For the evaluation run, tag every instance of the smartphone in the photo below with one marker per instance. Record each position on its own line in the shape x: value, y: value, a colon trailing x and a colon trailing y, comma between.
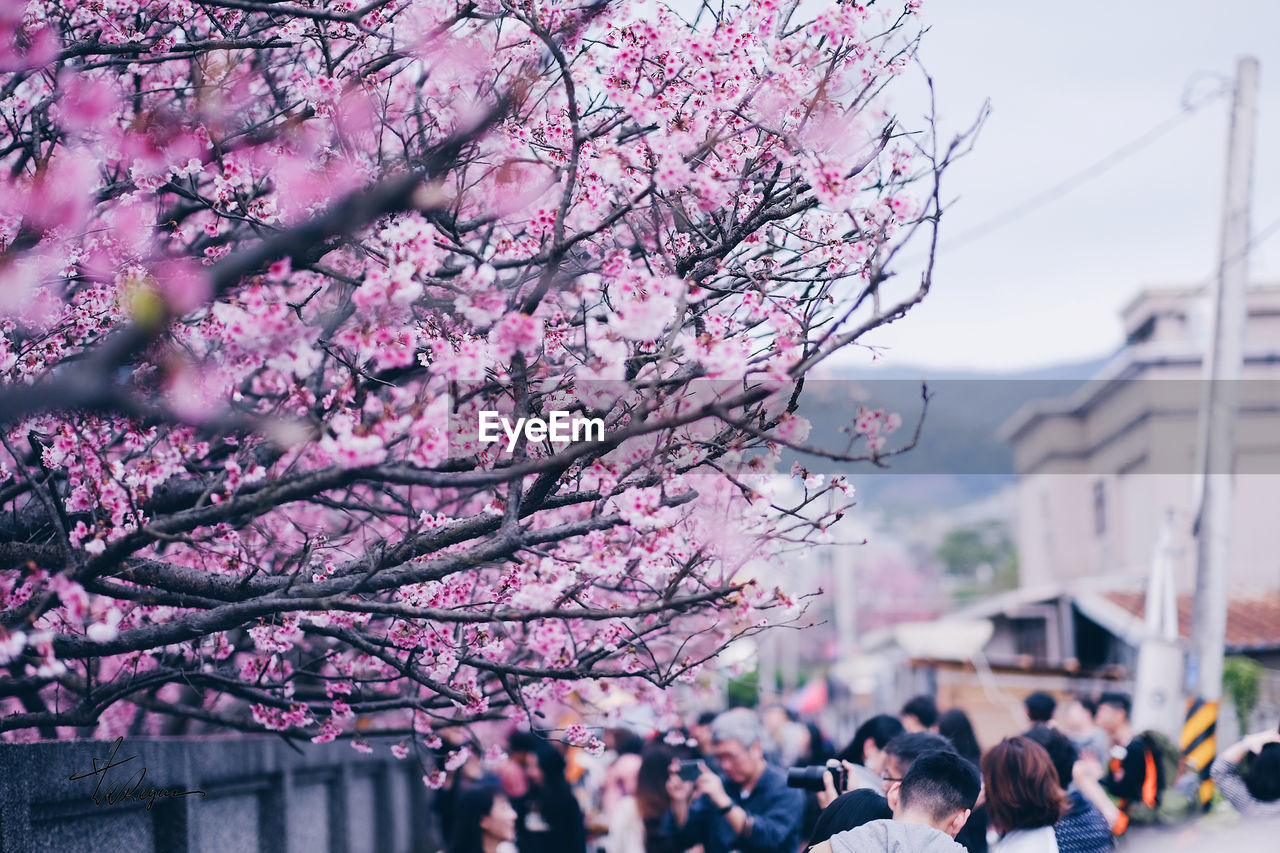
x: 690, y: 770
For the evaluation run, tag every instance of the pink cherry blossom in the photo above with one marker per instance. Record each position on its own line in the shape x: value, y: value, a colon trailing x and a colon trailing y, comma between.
x: 254, y: 301
x: 516, y: 333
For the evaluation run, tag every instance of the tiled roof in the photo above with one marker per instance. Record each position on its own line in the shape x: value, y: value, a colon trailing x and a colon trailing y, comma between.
x: 1253, y: 623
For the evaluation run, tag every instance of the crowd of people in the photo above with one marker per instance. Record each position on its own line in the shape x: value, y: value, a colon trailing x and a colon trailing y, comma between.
x: 1072, y: 782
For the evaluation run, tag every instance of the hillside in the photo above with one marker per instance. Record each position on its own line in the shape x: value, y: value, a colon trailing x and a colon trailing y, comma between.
x: 958, y: 458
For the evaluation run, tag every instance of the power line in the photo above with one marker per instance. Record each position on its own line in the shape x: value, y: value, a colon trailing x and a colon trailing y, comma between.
x: 1255, y: 240
x: 1071, y: 182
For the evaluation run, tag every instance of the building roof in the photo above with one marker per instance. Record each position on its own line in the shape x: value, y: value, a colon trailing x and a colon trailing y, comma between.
x: 1253, y: 623
x: 1135, y: 361
x: 938, y: 639
x: 1262, y: 296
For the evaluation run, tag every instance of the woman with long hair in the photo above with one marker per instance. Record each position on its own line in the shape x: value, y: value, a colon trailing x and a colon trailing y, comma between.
x: 636, y: 824
x: 820, y: 748
x: 954, y: 725
x: 550, y: 820
x: 471, y: 774
x: 1024, y: 799
x: 484, y: 821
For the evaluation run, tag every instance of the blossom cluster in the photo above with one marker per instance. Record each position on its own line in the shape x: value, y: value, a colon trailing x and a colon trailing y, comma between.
x: 277, y: 497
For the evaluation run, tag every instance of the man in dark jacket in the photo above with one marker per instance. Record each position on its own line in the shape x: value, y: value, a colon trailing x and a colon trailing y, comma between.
x: 1133, y: 773
x: 747, y: 807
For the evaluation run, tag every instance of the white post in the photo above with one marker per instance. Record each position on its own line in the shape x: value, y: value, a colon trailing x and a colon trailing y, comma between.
x: 1157, y: 691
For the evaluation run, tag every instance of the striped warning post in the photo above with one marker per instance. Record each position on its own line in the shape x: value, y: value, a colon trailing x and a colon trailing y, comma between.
x: 1200, y: 744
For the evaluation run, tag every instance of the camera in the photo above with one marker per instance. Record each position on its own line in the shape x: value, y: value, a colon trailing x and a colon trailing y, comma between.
x: 810, y: 778
x: 690, y: 770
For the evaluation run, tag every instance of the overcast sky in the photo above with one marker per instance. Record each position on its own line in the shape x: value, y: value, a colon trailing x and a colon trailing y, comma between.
x: 1068, y: 84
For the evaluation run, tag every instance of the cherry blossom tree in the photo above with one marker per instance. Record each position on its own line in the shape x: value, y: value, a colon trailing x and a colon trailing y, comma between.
x: 264, y: 264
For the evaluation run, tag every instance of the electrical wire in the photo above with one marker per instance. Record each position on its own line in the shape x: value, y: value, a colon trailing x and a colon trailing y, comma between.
x: 1255, y: 240
x: 1098, y: 167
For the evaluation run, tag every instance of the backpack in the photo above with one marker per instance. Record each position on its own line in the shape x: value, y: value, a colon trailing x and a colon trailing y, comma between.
x: 1166, y: 756
x: 1172, y: 802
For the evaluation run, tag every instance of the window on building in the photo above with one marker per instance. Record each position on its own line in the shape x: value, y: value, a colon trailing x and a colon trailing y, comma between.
x: 1143, y: 333
x: 1029, y: 637
x: 1095, y: 646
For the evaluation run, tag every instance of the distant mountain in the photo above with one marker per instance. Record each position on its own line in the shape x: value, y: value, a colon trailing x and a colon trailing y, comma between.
x: 1076, y: 370
x: 959, y: 457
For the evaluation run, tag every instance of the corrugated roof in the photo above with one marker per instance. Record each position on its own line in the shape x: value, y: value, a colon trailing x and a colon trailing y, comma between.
x: 1253, y: 623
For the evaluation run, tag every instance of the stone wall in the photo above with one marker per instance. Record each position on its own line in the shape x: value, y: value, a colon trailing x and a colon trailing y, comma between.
x: 260, y: 794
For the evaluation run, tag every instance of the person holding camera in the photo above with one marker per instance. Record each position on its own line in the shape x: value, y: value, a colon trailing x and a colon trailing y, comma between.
x: 748, y: 807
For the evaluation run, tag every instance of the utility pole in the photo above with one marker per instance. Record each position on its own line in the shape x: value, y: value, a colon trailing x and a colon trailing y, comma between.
x: 1222, y: 366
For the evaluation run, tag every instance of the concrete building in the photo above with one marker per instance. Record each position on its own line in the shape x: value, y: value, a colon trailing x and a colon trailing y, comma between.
x: 1103, y: 469
x: 1099, y: 469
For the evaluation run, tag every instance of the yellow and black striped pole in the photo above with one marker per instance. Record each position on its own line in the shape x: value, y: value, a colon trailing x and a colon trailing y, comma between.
x: 1200, y: 744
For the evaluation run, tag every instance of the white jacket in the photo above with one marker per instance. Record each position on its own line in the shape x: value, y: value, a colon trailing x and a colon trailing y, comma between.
x: 626, y: 828
x: 1038, y: 840
x: 891, y: 836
